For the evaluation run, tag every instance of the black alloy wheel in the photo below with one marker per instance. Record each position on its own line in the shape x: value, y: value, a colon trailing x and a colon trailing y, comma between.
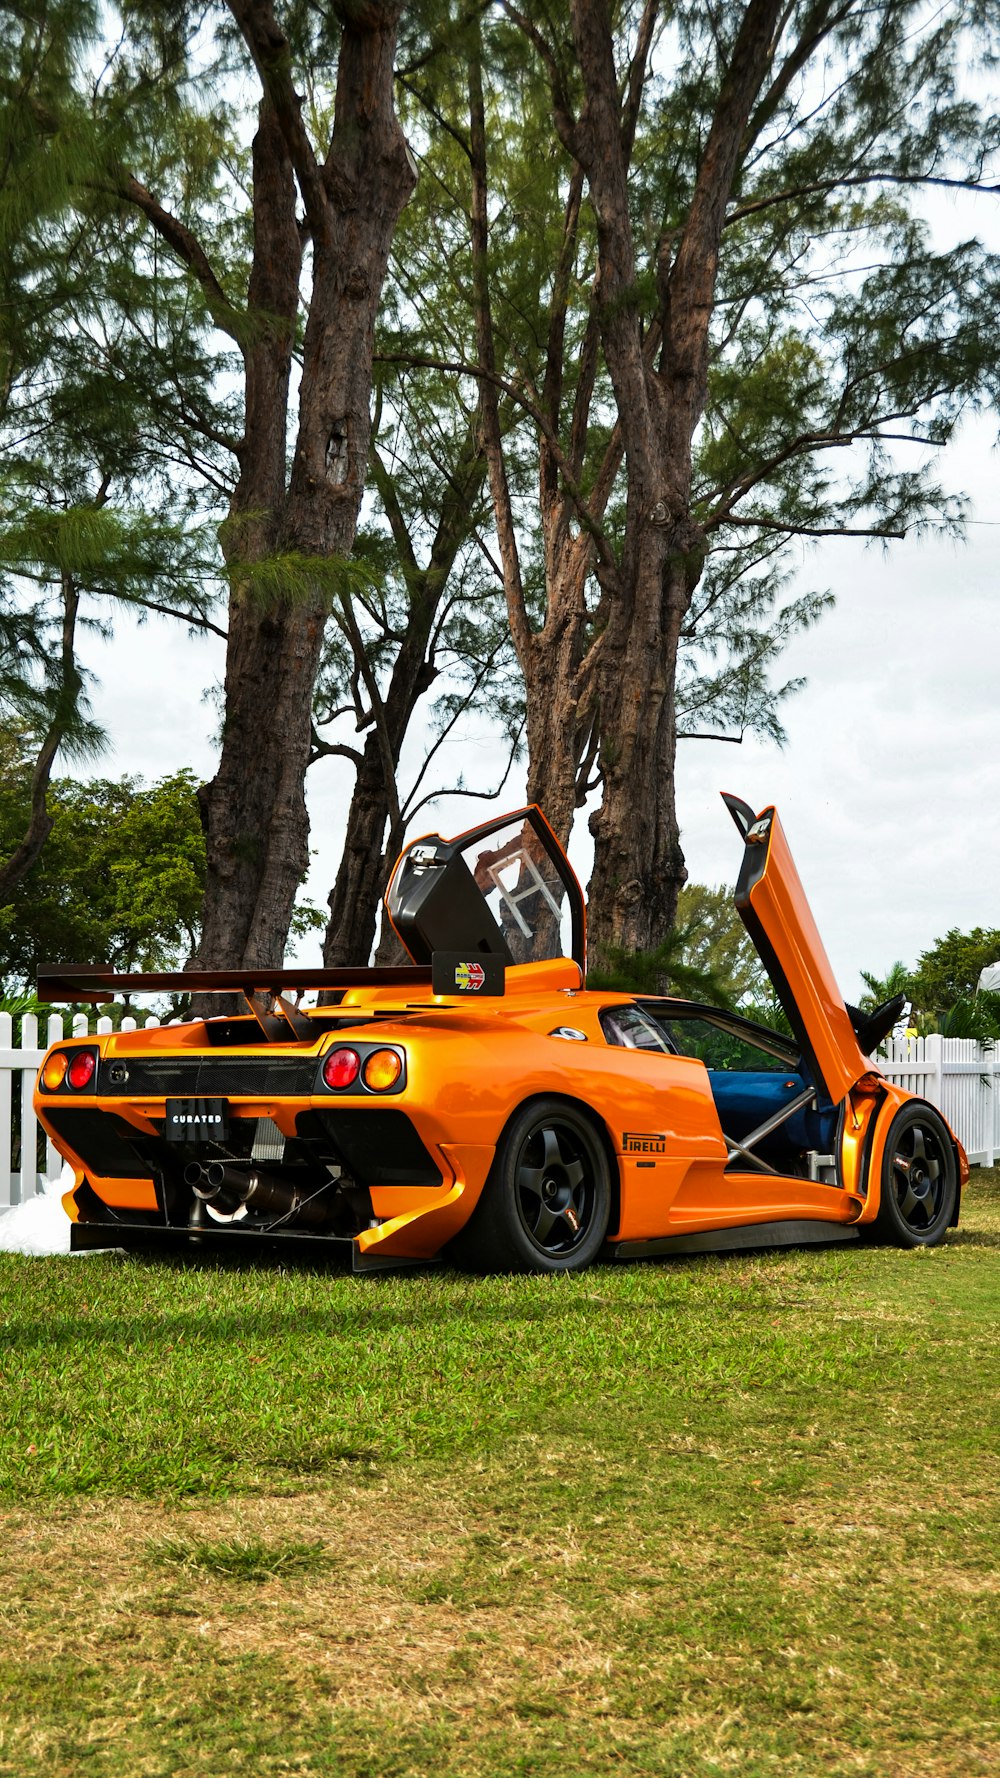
x: 547, y: 1202
x: 919, y: 1179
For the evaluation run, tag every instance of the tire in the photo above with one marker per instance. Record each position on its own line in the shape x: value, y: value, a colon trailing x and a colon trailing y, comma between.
x: 546, y: 1204
x: 919, y: 1179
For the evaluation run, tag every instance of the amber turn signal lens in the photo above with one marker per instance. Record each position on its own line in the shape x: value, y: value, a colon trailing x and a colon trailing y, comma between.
x: 54, y: 1072
x: 341, y: 1068
x: 80, y: 1072
x: 382, y: 1070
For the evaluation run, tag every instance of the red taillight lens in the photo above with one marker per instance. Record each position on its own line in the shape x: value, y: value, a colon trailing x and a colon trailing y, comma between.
x: 341, y: 1068
x: 80, y: 1072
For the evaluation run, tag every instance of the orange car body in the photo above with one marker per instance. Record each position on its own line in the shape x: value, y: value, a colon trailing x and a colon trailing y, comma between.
x: 255, y: 1126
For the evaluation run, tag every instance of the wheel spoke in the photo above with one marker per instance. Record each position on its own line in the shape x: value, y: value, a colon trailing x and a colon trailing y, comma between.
x: 919, y: 1147
x: 529, y: 1179
x: 543, y: 1226
x: 574, y: 1174
x: 933, y: 1168
x: 908, y: 1203
x: 551, y: 1152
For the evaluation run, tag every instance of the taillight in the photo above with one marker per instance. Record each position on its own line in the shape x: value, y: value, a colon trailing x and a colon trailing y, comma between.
x: 341, y: 1068
x: 81, y: 1070
x: 382, y: 1070
x: 54, y: 1072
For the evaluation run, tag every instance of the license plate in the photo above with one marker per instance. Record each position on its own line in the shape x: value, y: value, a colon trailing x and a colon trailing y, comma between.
x: 197, y: 1120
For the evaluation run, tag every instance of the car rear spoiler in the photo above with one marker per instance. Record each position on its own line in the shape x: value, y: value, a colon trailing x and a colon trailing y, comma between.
x: 73, y: 981
x: 448, y: 973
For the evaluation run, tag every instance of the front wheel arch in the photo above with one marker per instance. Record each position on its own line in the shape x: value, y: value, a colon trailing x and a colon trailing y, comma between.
x: 919, y: 1178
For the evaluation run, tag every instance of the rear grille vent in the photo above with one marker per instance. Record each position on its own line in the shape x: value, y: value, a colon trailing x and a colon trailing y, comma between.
x: 204, y: 1076
x: 107, y: 1145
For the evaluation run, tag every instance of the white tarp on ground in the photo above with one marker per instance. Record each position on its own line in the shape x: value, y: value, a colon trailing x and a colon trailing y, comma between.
x: 39, y: 1227
x: 990, y: 978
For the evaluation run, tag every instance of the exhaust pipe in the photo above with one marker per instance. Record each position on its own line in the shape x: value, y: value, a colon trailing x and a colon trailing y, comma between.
x: 227, y: 1189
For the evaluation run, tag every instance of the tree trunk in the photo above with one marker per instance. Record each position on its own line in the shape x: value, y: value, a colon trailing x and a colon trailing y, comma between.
x: 638, y: 863
x: 560, y: 711
x: 254, y: 810
x: 639, y: 868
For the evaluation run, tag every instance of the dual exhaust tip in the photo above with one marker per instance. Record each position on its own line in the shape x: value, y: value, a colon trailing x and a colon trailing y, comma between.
x: 226, y: 1190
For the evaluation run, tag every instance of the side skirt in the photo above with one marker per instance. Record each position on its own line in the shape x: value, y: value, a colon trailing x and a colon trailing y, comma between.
x: 747, y: 1235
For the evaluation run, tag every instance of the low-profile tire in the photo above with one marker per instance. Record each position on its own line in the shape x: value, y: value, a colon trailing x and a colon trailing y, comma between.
x: 546, y: 1204
x: 919, y: 1179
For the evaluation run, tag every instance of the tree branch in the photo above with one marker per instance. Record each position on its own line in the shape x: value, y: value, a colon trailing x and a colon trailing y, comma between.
x: 818, y: 25
x: 531, y: 406
x: 562, y: 111
x: 486, y: 352
x: 194, y: 618
x: 272, y: 56
x: 319, y: 749
x: 850, y: 179
x: 794, y: 530
x: 227, y: 317
x: 40, y: 821
x: 690, y: 734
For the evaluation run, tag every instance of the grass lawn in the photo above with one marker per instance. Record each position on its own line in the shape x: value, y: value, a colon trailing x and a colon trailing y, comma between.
x: 722, y: 1515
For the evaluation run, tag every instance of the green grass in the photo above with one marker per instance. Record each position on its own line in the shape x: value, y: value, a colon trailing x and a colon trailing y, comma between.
x: 716, y: 1515
x: 239, y: 1558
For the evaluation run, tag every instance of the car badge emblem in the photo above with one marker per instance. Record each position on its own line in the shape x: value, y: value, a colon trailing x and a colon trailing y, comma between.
x: 469, y: 977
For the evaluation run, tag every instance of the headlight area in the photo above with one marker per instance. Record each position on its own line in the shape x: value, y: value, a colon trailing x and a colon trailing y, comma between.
x: 378, y: 1068
x: 69, y: 1071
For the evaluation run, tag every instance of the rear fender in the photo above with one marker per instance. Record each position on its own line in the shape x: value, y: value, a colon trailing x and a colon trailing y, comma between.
x: 598, y: 1124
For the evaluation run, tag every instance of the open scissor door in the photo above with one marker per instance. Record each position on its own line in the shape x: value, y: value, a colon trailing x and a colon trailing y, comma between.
x: 773, y: 907
x: 505, y: 889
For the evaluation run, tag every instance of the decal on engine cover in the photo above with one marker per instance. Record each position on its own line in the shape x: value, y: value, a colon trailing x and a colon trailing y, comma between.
x: 455, y: 972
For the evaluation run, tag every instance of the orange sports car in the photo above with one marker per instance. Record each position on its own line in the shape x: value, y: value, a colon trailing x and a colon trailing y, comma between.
x: 480, y: 1103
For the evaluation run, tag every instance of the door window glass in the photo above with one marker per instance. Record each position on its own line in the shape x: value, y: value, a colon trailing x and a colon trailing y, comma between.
x: 722, y: 1048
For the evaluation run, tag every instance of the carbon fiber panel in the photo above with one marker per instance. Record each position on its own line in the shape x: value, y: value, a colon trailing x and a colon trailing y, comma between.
x: 206, y: 1076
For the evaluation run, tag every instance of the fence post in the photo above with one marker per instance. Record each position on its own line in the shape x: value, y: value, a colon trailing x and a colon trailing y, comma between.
x: 53, y: 1159
x: 934, y: 1082
x: 29, y: 1128
x: 990, y: 1065
x: 6, y: 1076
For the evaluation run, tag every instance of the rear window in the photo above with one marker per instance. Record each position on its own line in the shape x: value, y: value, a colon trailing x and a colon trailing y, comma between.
x: 628, y: 1028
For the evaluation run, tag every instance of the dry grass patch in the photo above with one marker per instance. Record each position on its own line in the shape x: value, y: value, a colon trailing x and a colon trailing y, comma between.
x: 455, y: 1625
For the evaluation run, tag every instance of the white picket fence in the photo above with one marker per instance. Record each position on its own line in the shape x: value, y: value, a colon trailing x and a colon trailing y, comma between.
x: 20, y: 1135
x: 960, y: 1078
x: 954, y: 1073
